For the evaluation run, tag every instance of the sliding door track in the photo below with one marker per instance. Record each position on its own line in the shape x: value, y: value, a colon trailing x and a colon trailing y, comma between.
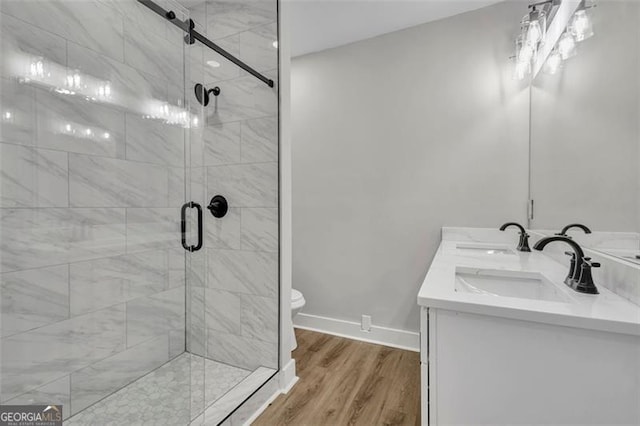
x: 188, y: 27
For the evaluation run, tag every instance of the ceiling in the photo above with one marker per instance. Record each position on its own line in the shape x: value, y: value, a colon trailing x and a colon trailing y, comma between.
x: 322, y: 24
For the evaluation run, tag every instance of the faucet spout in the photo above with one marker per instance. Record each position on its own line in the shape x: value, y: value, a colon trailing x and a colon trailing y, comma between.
x: 523, y: 243
x: 577, y: 251
x: 574, y: 225
x: 517, y: 225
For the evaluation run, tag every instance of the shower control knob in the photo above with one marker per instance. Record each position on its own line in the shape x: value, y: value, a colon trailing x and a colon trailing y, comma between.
x: 218, y: 206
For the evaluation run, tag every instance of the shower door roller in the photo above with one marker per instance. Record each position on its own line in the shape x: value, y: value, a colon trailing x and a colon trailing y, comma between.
x: 218, y: 206
x: 183, y: 226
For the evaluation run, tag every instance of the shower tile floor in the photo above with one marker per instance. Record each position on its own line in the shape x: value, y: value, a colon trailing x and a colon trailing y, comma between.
x: 170, y: 395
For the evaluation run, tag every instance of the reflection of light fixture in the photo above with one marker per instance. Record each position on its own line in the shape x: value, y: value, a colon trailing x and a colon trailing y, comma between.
x: 37, y: 68
x: 581, y: 26
x: 62, y: 80
x: 73, y: 80
x: 104, y: 91
x: 554, y: 61
x: 213, y: 64
x: 567, y: 46
x: 275, y: 44
x: 106, y: 135
x: 88, y: 132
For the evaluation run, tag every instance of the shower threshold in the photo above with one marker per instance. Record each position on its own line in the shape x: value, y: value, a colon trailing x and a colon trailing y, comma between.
x: 175, y: 394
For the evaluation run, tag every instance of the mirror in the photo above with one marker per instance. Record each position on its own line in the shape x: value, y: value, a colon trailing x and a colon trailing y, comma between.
x: 585, y: 140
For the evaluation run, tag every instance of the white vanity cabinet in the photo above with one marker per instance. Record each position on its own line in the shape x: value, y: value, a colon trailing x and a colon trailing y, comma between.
x: 480, y: 369
x: 505, y: 342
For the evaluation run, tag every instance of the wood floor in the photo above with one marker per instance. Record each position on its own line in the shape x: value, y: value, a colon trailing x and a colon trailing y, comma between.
x: 347, y: 382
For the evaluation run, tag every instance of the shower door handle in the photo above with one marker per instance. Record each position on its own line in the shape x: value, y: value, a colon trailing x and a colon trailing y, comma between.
x: 199, y: 245
x: 183, y: 226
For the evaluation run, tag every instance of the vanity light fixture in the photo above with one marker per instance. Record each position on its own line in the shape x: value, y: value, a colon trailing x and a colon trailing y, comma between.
x: 544, y: 44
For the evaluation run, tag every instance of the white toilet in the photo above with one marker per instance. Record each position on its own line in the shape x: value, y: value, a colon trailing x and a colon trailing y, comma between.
x: 297, y: 303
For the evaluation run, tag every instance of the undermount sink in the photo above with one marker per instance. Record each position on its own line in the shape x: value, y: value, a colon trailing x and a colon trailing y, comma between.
x: 523, y: 285
x: 485, y: 249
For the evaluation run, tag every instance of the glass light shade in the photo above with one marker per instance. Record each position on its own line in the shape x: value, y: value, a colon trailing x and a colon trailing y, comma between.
x: 567, y: 46
x: 524, y: 51
x: 534, y: 26
x: 554, y: 62
x: 581, y: 25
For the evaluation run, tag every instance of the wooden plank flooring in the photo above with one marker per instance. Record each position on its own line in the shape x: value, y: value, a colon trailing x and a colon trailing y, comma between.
x: 347, y: 382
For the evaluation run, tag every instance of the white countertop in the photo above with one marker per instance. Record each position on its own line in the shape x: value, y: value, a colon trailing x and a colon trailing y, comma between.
x: 606, y: 311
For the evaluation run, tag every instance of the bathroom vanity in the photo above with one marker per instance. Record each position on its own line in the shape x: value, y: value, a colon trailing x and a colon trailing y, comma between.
x: 505, y: 341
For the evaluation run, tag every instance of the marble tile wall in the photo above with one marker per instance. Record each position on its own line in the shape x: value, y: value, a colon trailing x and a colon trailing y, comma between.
x: 92, y: 284
x: 234, y: 315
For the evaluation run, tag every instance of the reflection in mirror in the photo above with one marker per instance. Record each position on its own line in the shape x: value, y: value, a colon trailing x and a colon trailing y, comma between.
x: 585, y: 140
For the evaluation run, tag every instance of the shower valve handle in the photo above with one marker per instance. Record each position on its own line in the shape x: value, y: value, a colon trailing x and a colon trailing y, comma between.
x: 218, y: 206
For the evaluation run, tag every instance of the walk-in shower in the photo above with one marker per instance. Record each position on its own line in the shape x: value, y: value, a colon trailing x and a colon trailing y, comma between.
x: 123, y: 297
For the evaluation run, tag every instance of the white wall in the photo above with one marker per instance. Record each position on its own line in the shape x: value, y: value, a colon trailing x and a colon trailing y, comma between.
x: 393, y: 138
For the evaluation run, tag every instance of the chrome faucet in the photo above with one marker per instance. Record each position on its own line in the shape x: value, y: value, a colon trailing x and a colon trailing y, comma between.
x: 574, y: 225
x: 523, y: 244
x: 579, y: 278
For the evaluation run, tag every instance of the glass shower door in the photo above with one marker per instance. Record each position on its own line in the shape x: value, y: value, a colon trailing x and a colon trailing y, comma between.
x: 93, y: 130
x: 233, y: 280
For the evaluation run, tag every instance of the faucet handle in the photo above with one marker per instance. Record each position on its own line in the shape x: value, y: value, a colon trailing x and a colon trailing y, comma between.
x: 585, y: 283
x: 587, y: 261
x: 523, y: 244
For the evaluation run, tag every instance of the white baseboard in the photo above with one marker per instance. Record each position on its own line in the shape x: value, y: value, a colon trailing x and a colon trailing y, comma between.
x: 288, y: 376
x: 392, y: 337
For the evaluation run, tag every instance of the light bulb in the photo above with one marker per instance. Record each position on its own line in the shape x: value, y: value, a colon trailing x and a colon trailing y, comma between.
x: 275, y: 44
x: 7, y: 115
x: 521, y: 70
x: 554, y: 61
x: 534, y: 26
x: 526, y: 53
x: 106, y: 135
x: 581, y: 26
x: 534, y: 33
x: 567, y: 46
x: 213, y: 64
